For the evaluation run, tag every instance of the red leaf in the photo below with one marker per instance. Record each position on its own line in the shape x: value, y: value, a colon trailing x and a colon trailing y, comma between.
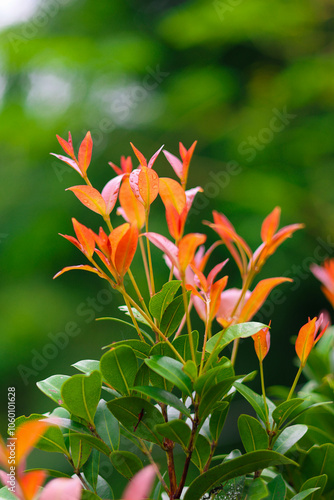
x: 85, y: 153
x: 85, y: 237
x: 67, y: 146
x: 31, y: 483
x: 90, y: 197
x: 126, y: 250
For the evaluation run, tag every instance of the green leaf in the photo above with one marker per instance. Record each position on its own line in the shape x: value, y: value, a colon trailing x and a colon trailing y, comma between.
x: 91, y: 468
x: 162, y: 396
x: 290, y: 436
x: 320, y: 460
x: 201, y: 452
x: 253, y: 435
x: 50, y: 472
x: 303, y: 407
x: 175, y: 430
x: 173, y: 315
x: 304, y: 494
x: 52, y: 387
x: 190, y: 369
x: 282, y: 411
x: 217, y: 420
x: 103, y: 488
x: 160, y: 349
x: 79, y: 449
x: 89, y: 495
x: 140, y: 348
x: 126, y: 463
x: 213, y: 376
x: 255, y: 400
x: 182, y: 345
x: 246, y: 464
x: 87, y: 365
x: 276, y: 489
x: 170, y: 369
x: 214, y: 394
x: 257, y: 489
x: 119, y: 367
x: 315, y: 482
x: 52, y: 440
x: 161, y: 300
x: 143, y: 375
x: 135, y: 313
x: 81, y: 394
x: 242, y: 330
x: 5, y: 494
x: 107, y: 426
x: 93, y: 442
x: 138, y: 416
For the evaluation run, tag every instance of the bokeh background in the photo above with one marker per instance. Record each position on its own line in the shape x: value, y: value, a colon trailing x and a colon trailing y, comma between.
x: 252, y: 81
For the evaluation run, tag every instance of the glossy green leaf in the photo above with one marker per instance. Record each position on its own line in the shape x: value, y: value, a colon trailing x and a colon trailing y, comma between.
x: 52, y: 439
x: 79, y: 449
x: 201, y: 452
x: 246, y: 464
x: 221, y: 340
x: 175, y: 430
x: 126, y: 463
x: 173, y: 315
x: 255, y: 401
x: 161, y: 300
x: 182, y: 345
x: 213, y: 376
x: 217, y: 420
x: 253, y: 435
x: 131, y: 325
x: 143, y: 375
x: 140, y: 348
x: 290, y: 436
x: 135, y: 313
x: 52, y: 387
x: 107, y: 426
x: 315, y: 482
x: 276, y: 489
x: 303, y: 407
x: 138, y: 416
x: 87, y: 365
x: 170, y: 369
x: 320, y: 460
x: 162, y: 396
x: 93, y: 441
x: 190, y: 369
x: 282, y: 411
x: 119, y: 367
x: 161, y: 349
x: 257, y: 489
x: 91, y: 468
x: 5, y: 494
x: 81, y: 394
x: 304, y: 494
x: 89, y: 495
x: 103, y: 489
x: 214, y: 394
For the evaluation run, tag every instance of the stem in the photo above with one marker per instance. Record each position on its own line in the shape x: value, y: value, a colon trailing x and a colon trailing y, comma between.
x: 292, y: 390
x: 212, y: 451
x: 188, y: 459
x: 135, y: 286
x: 107, y: 221
x: 184, y: 294
x: 143, y: 254
x: 234, y: 351
x: 206, y: 333
x: 125, y: 296
x: 149, y: 255
x: 153, y: 326
x: 147, y: 452
x: 264, y: 393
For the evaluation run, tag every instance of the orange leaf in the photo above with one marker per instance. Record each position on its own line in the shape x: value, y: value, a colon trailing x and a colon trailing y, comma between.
x: 116, y: 235
x: 174, y: 222
x: 67, y: 145
x: 133, y: 209
x: 140, y: 156
x: 85, y: 237
x: 90, y: 197
x: 270, y: 225
x: 187, y: 248
x: 80, y: 268
x: 262, y: 343
x: 258, y: 296
x: 126, y: 250
x: 31, y: 483
x: 194, y: 291
x: 85, y: 153
x: 144, y: 183
x: 27, y: 436
x: 171, y: 192
x: 215, y: 295
x: 307, y: 338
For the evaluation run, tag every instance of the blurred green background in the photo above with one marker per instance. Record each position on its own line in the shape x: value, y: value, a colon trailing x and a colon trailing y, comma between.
x: 252, y: 81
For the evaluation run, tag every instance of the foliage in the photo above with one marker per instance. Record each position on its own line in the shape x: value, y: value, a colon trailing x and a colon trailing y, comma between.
x: 171, y: 388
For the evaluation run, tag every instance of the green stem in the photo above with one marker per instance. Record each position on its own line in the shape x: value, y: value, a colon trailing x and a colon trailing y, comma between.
x: 140, y: 297
x: 185, y: 302
x: 292, y: 390
x: 264, y: 394
x: 206, y: 333
x: 147, y: 273
x: 125, y: 296
x: 149, y: 256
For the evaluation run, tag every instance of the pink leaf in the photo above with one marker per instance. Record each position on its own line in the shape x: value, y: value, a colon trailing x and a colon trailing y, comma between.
x: 140, y: 485
x: 190, y: 196
x: 110, y: 192
x: 62, y: 489
x: 165, y: 245
x: 154, y: 157
x: 175, y: 163
x: 69, y: 162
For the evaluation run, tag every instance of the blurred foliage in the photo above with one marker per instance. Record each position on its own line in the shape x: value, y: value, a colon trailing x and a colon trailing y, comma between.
x: 155, y: 72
